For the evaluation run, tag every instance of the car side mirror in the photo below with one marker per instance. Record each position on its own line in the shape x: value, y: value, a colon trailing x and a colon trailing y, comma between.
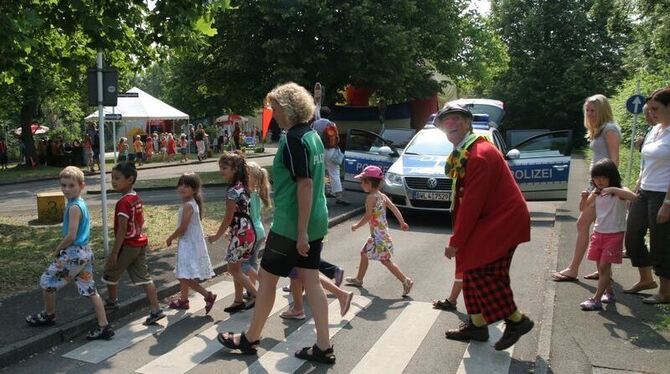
x: 386, y: 151
x: 513, y: 154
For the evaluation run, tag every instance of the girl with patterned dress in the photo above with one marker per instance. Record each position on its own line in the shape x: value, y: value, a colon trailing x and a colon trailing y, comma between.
x: 238, y: 223
x: 379, y: 245
x: 193, y: 263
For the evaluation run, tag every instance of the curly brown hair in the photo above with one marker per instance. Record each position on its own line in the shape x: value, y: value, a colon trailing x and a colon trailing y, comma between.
x: 238, y: 163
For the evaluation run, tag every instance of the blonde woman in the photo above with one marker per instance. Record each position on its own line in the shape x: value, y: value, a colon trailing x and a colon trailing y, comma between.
x: 604, y: 138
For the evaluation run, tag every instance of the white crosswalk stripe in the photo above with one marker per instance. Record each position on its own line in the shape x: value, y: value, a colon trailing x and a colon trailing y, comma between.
x: 392, y: 351
x: 280, y: 358
x: 133, y: 333
x: 197, y: 349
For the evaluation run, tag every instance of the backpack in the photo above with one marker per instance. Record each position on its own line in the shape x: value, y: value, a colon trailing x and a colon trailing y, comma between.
x: 331, y: 137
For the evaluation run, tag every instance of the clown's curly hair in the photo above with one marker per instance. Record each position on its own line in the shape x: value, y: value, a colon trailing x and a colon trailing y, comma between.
x: 236, y: 161
x: 296, y: 101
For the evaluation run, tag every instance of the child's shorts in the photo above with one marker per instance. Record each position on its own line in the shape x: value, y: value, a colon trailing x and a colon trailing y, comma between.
x: 182, y: 150
x: 252, y: 262
x: 132, y: 259
x: 73, y: 263
x: 607, y: 248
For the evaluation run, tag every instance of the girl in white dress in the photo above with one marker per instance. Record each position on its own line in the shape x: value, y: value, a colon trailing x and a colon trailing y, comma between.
x: 193, y: 263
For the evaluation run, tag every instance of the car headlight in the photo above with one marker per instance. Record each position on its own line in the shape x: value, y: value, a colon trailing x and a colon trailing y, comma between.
x: 393, y: 179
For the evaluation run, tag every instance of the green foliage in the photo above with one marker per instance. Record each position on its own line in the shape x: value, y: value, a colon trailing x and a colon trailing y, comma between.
x: 560, y: 52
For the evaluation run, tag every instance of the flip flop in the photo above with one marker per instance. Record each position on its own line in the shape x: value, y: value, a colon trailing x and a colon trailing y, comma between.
x: 656, y: 299
x: 347, y: 304
x: 637, y: 288
x: 560, y: 277
x: 592, y: 276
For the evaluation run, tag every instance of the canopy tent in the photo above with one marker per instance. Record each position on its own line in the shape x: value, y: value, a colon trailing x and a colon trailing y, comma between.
x: 231, y: 118
x: 142, y: 107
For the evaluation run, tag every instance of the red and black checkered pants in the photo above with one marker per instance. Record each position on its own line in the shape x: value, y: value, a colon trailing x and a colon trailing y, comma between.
x: 487, y: 290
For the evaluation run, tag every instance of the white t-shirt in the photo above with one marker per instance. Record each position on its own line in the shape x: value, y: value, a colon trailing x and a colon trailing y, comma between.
x: 610, y: 214
x: 655, y: 176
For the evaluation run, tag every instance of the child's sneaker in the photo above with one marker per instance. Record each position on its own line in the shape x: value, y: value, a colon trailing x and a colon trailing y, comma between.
x: 351, y: 281
x: 100, y: 333
x: 608, y: 297
x: 154, y: 317
x: 591, y: 304
x: 179, y: 304
x: 41, y: 319
x: 111, y: 304
x: 407, y: 286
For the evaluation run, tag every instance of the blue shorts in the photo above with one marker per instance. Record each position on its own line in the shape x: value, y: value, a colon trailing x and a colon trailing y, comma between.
x: 252, y: 262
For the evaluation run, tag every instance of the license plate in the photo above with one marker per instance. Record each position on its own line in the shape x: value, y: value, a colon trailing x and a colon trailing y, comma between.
x: 441, y: 196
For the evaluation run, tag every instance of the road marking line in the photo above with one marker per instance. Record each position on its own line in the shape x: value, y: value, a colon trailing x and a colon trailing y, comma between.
x: 480, y: 357
x: 280, y: 358
x: 192, y: 352
x: 134, y: 332
x: 395, y: 348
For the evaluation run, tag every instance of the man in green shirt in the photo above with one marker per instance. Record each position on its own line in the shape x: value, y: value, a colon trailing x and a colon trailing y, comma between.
x: 300, y: 223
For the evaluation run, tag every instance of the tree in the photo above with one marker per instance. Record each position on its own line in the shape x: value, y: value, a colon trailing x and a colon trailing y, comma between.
x: 48, y: 44
x: 561, y: 52
x: 392, y: 47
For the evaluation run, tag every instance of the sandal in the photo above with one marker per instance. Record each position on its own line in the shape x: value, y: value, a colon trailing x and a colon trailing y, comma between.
x: 317, y: 355
x: 560, y: 277
x: 656, y: 299
x: 444, y: 304
x: 641, y: 287
x: 347, y: 304
x: 41, y: 319
x: 179, y: 304
x: 236, y: 306
x: 244, y: 346
x: 209, y: 302
x: 592, y: 276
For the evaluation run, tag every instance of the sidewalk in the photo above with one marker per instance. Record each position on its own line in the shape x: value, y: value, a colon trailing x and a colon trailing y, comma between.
x: 75, y: 315
x: 625, y: 336
x: 270, y: 149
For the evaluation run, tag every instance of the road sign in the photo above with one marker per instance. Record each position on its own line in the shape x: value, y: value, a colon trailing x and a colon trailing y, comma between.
x: 113, y: 117
x: 635, y: 103
x: 129, y: 94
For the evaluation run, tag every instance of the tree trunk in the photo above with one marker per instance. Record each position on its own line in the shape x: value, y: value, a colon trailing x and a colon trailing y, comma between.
x: 27, y: 112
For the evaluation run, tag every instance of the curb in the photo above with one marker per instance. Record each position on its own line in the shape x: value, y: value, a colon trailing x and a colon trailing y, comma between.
x: 28, y: 180
x: 160, y: 188
x: 13, y: 353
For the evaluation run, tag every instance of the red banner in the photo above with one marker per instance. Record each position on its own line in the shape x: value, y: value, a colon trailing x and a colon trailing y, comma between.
x: 266, y: 117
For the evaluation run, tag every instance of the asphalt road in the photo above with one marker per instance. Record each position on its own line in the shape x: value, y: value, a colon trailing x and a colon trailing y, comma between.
x: 392, y: 334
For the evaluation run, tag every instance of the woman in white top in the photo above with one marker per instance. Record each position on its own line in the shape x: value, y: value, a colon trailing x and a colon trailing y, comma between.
x: 604, y: 137
x: 651, y: 210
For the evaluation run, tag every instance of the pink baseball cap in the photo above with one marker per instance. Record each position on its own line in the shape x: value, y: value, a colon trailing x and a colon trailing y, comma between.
x: 371, y: 171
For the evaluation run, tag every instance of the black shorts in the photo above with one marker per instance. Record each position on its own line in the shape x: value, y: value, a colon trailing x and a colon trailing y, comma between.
x: 281, y: 255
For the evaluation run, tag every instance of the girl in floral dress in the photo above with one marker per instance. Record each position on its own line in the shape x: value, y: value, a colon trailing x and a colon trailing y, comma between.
x: 379, y: 245
x: 238, y: 223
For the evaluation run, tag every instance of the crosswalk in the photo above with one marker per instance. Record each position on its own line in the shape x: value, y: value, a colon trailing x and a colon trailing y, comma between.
x: 391, y: 352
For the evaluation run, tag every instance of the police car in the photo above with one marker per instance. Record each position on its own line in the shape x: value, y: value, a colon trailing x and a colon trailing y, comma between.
x: 415, y: 176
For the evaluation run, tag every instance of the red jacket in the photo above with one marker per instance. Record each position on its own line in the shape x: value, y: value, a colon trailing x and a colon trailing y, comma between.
x: 490, y: 216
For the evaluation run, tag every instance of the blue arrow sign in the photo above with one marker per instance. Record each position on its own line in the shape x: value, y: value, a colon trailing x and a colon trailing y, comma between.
x: 635, y: 103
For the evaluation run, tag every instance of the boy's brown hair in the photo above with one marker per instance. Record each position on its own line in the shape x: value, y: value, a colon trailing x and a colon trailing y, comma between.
x: 72, y: 172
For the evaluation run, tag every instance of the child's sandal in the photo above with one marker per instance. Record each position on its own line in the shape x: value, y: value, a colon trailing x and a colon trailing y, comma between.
x: 236, y: 306
x: 317, y: 355
x: 179, y: 304
x: 244, y: 346
x: 41, y: 319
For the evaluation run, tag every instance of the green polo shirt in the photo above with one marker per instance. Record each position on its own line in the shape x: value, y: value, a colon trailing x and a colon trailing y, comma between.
x: 300, y: 155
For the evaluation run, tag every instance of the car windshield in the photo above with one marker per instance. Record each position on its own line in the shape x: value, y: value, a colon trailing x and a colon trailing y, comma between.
x: 430, y: 142
x: 494, y: 112
x: 398, y: 137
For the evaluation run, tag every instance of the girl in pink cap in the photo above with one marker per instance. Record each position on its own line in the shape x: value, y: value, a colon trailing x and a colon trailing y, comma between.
x: 379, y: 245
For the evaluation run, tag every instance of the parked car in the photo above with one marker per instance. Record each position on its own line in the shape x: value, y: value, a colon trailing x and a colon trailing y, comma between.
x: 495, y: 109
x: 415, y: 177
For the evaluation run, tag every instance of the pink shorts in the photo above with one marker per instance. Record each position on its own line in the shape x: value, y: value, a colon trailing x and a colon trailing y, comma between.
x: 607, y: 248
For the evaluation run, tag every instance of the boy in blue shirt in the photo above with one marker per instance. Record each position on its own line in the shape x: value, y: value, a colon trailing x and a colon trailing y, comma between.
x: 74, y: 259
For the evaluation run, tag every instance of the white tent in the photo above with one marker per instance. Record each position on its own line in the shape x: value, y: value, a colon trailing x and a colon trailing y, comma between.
x: 142, y: 107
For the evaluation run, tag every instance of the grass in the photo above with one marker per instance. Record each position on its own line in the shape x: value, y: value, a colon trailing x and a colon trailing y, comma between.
x: 22, y: 263
x: 625, y: 156
x: 207, y: 177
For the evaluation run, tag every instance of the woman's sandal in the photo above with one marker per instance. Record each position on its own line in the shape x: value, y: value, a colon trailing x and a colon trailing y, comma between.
x: 244, y: 346
x: 317, y: 355
x: 592, y: 276
x: 236, y: 306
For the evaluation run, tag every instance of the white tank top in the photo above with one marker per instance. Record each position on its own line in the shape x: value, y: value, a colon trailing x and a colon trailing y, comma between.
x: 610, y: 214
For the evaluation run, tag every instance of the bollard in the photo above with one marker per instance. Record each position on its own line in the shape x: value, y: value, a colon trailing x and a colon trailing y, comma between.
x: 50, y: 207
